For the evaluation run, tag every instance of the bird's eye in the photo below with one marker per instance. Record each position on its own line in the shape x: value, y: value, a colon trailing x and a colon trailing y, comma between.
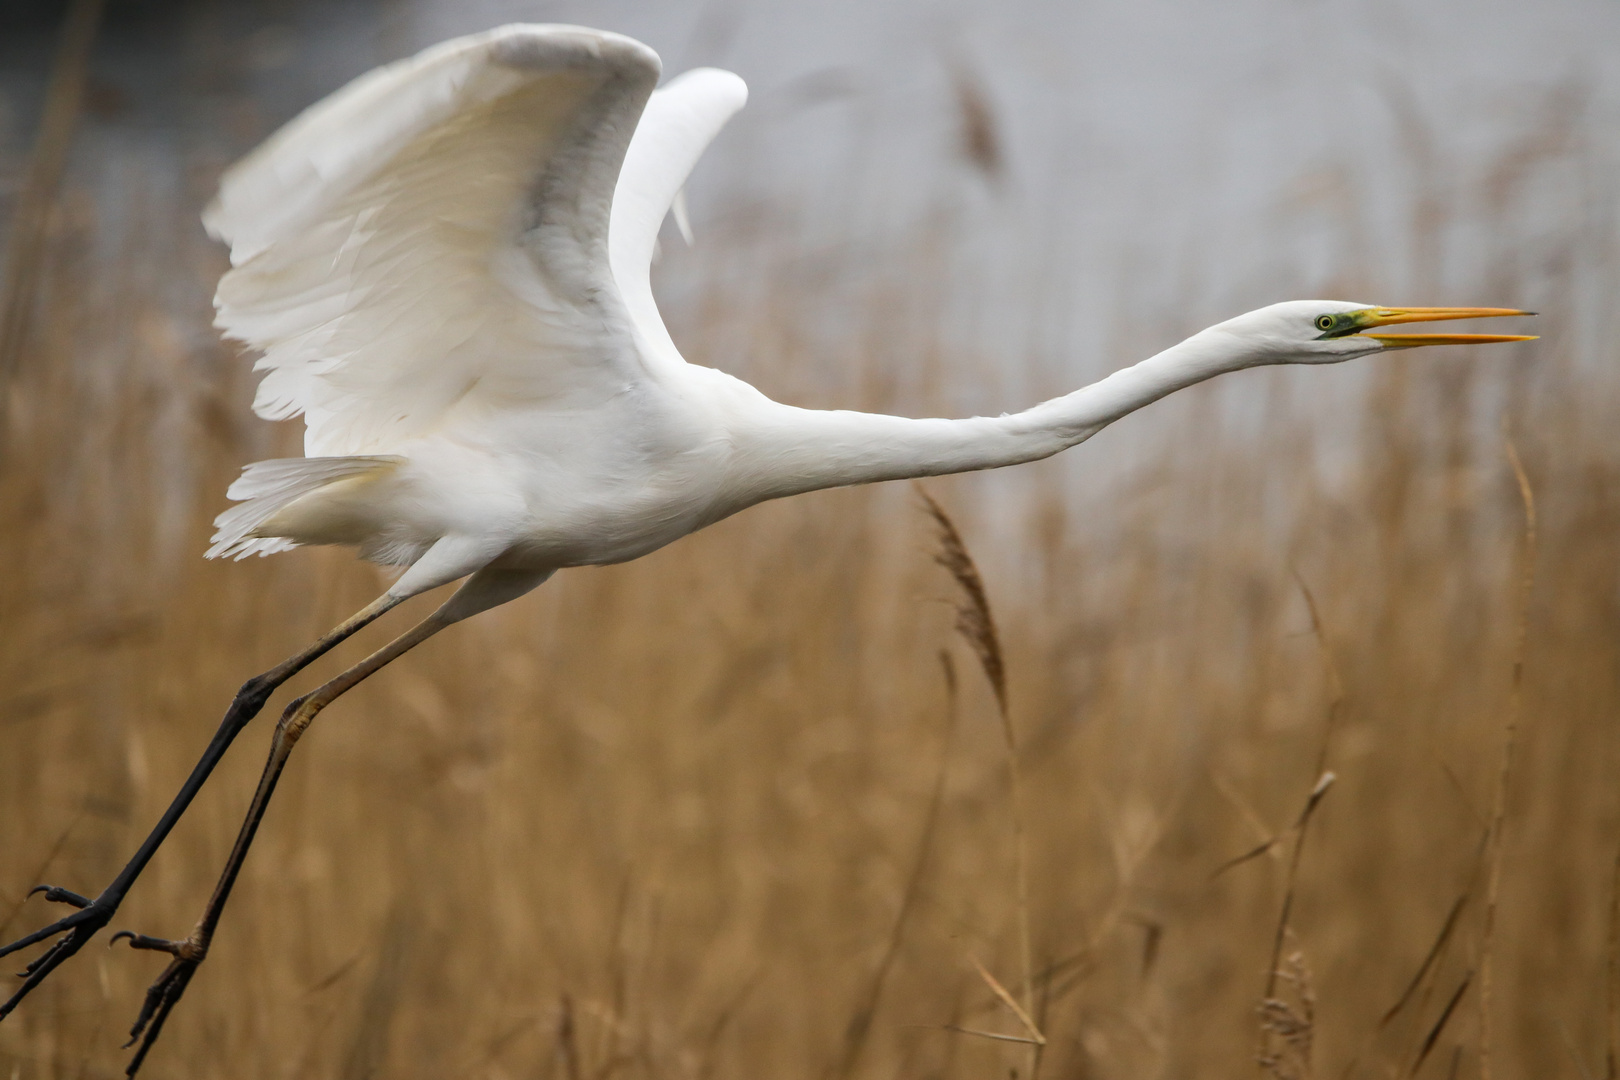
x: 1324, y: 322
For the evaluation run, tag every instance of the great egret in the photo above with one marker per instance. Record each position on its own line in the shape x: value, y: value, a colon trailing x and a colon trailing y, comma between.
x: 445, y: 266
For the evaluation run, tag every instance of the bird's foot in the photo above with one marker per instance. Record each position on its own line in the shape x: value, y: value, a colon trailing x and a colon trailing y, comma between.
x: 164, y: 993
x: 75, y: 929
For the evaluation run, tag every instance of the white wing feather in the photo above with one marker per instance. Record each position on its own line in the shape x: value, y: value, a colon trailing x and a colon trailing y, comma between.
x: 680, y: 121
x: 435, y: 236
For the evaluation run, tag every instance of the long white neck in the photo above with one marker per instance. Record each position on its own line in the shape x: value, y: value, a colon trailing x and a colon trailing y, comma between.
x: 786, y: 450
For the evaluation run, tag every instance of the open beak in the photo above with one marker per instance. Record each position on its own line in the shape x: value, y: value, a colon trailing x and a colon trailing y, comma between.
x: 1390, y: 316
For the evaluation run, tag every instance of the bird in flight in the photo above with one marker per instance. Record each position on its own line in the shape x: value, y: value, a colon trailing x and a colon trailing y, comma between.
x: 445, y: 268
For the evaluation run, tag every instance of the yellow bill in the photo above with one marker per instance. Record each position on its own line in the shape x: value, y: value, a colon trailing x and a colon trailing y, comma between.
x: 1389, y: 316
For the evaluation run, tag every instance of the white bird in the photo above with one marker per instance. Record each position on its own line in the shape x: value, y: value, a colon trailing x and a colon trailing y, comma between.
x: 445, y: 268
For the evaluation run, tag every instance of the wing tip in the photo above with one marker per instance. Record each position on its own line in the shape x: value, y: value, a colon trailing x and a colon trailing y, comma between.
x: 726, y: 86
x: 549, y: 46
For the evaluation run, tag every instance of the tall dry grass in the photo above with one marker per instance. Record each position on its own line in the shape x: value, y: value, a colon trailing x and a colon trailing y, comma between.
x: 725, y: 812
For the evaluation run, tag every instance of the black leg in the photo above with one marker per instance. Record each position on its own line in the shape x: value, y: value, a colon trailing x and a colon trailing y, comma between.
x: 190, y: 951
x: 91, y: 915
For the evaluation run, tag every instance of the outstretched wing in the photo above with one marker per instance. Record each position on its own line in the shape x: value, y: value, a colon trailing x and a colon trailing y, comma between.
x: 434, y: 237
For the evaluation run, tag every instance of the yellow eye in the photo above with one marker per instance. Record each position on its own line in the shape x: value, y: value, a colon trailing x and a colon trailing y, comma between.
x: 1324, y: 322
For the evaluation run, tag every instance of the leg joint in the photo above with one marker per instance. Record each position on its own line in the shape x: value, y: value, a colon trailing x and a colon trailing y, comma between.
x: 299, y: 715
x: 254, y: 693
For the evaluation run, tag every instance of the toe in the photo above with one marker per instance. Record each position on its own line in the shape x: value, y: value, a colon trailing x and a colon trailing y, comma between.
x: 61, y: 926
x: 161, y: 997
x: 58, y: 895
x: 146, y: 941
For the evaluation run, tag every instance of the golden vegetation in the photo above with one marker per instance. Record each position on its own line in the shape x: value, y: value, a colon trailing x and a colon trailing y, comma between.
x: 744, y: 808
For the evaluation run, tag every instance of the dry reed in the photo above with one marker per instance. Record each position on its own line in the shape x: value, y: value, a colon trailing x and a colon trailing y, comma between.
x: 1510, y: 738
x: 1611, y: 996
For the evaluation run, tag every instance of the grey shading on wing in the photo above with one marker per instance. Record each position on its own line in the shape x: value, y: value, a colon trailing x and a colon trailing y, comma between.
x: 430, y: 242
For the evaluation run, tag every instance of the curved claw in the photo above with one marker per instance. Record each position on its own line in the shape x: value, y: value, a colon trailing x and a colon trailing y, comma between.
x: 154, y: 944
x: 165, y: 991
x: 58, y: 895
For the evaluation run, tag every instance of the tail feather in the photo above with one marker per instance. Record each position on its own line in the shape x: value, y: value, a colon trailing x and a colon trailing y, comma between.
x: 266, y: 487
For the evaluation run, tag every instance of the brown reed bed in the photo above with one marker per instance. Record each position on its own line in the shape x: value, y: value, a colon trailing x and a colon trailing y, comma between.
x: 719, y: 813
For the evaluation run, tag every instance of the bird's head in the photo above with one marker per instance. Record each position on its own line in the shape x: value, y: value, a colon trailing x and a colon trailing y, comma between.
x: 1328, y: 331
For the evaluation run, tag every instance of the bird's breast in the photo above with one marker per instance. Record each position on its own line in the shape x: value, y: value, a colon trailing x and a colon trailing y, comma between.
x: 574, y: 487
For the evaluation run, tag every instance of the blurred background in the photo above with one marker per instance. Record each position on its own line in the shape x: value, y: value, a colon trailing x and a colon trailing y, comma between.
x: 747, y: 807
